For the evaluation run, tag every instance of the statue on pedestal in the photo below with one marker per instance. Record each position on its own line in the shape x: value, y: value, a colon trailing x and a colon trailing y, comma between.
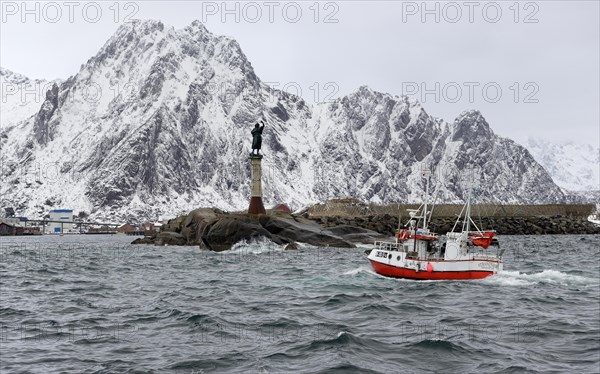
x: 256, y: 204
x: 257, y: 138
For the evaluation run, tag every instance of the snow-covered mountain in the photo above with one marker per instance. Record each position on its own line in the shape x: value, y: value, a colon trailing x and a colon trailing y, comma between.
x: 375, y: 147
x: 158, y: 123
x: 574, y: 167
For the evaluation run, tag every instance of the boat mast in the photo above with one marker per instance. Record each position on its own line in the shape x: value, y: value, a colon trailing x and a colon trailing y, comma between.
x: 426, y: 174
x: 468, y: 214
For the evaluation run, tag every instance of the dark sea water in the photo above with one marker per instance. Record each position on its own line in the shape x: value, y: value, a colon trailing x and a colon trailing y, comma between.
x: 95, y: 304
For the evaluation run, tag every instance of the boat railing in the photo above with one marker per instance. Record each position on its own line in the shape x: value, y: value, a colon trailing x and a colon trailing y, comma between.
x: 390, y: 246
x: 492, y: 253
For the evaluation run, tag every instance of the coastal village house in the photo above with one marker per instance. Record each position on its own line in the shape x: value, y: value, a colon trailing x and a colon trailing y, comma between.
x: 7, y: 229
x: 17, y: 226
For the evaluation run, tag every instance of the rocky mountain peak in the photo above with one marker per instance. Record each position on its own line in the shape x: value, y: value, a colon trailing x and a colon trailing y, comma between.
x: 471, y: 126
x: 139, y: 28
x: 197, y: 28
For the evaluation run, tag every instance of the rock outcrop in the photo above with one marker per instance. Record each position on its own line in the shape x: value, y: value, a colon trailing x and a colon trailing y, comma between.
x: 215, y: 230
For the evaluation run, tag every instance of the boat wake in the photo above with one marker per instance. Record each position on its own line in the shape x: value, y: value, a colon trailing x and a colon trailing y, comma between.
x: 507, y: 278
x: 552, y: 277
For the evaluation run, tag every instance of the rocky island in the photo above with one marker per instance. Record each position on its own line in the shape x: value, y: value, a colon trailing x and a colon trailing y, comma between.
x: 215, y: 230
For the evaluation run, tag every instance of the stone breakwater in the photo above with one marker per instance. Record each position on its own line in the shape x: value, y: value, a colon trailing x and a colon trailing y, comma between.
x: 356, y: 208
x: 387, y: 224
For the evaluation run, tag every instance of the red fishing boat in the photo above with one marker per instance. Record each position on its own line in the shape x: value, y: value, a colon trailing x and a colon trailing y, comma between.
x: 418, y: 253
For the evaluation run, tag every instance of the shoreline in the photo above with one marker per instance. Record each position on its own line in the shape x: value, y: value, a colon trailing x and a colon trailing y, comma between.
x: 216, y: 230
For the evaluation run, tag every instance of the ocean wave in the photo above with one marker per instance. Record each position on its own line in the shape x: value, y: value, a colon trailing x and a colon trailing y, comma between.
x: 343, y: 338
x: 8, y: 311
x: 347, y: 368
x: 363, y: 269
x: 439, y: 345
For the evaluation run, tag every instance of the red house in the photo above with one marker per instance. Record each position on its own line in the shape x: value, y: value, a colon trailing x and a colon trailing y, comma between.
x: 281, y: 208
x: 128, y: 227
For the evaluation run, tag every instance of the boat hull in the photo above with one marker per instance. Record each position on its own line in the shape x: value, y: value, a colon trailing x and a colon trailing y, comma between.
x: 401, y: 272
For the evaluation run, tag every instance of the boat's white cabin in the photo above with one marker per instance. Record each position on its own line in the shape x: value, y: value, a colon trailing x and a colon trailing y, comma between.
x: 452, y: 246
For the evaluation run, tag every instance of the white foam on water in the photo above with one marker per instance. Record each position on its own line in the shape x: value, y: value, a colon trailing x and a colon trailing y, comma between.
x: 254, y: 246
x: 548, y: 276
x: 507, y: 278
x: 363, y: 269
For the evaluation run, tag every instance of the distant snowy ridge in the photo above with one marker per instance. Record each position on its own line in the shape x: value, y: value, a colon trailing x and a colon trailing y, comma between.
x: 574, y: 167
x: 171, y: 132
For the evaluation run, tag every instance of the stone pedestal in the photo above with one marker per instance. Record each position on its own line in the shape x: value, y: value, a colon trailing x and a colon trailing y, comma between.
x: 256, y: 203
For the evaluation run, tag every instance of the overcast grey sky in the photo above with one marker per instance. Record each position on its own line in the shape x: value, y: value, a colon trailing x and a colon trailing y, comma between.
x: 532, y: 68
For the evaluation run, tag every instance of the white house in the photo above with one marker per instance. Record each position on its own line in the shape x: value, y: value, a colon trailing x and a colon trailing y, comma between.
x: 60, y: 215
